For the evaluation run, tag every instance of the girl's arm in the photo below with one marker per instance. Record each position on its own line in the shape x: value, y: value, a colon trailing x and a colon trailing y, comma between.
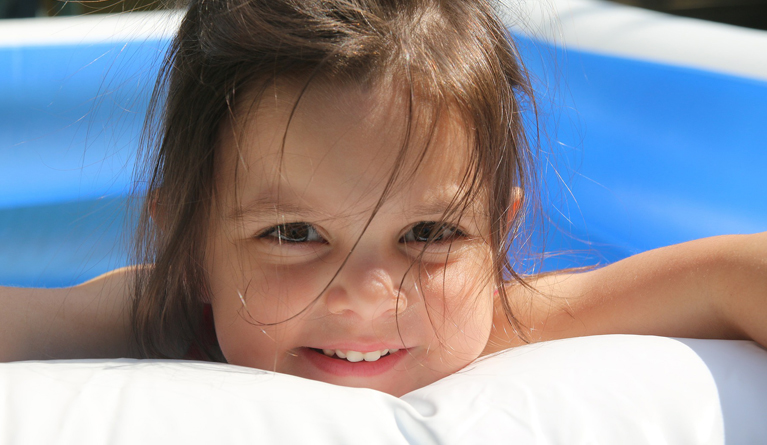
x: 90, y: 320
x: 709, y: 288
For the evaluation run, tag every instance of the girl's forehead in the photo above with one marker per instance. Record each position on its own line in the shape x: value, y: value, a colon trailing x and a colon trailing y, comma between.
x: 344, y: 141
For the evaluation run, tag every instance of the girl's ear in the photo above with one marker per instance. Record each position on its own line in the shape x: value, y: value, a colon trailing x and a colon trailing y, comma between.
x: 516, y: 202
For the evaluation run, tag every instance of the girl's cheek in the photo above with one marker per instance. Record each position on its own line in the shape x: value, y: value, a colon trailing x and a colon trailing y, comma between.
x: 460, y: 282
x: 272, y: 294
x: 461, y: 298
x: 254, y: 331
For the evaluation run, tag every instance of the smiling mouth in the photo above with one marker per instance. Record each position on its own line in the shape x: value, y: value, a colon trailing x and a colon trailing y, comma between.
x: 335, y: 363
x: 355, y: 356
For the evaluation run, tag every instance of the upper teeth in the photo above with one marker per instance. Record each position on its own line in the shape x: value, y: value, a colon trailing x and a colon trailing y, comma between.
x: 356, y: 356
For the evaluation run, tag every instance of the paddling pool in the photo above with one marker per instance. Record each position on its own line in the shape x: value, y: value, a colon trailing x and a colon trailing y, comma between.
x: 647, y: 140
x: 640, y: 150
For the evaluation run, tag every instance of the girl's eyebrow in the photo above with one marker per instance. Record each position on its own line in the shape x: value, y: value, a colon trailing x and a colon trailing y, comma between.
x: 265, y: 205
x: 441, y: 203
x: 436, y: 207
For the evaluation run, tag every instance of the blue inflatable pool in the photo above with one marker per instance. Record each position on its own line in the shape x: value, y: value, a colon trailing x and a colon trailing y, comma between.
x: 657, y: 127
x: 642, y: 148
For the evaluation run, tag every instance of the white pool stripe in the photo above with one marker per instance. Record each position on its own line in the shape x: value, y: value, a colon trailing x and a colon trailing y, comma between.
x: 97, y: 28
x: 612, y: 29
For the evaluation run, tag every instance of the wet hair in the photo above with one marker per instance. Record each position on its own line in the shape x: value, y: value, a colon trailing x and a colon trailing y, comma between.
x: 447, y: 53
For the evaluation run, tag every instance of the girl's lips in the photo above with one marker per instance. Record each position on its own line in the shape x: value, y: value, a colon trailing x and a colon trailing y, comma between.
x: 345, y: 368
x: 362, y: 347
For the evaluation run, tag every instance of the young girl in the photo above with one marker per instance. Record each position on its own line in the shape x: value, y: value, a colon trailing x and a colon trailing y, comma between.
x: 334, y: 192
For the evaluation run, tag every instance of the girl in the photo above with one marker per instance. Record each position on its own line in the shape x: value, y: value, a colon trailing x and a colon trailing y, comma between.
x: 334, y: 192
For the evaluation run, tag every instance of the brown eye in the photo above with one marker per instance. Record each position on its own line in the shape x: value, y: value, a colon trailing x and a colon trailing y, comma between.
x: 430, y: 231
x: 293, y: 233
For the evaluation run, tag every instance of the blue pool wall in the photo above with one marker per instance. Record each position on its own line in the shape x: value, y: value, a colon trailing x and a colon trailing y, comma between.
x: 646, y: 154
x: 635, y: 155
x: 70, y: 121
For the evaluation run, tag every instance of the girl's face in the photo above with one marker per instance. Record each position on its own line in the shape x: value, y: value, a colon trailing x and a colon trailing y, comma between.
x: 303, y: 285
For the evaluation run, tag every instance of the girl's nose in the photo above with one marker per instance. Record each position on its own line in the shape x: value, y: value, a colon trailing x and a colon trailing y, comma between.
x: 368, y: 292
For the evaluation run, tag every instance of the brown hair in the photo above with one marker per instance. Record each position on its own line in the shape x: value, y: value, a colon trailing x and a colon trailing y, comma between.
x: 455, y: 52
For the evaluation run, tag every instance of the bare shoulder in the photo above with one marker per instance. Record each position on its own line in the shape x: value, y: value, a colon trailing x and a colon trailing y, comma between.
x: 90, y: 320
x: 709, y: 288
x: 540, y: 305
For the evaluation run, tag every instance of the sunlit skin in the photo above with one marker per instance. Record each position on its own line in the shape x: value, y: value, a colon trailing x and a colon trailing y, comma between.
x: 282, y: 277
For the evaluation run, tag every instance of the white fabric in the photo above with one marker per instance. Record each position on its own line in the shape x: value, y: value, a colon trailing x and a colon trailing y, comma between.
x: 595, y: 390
